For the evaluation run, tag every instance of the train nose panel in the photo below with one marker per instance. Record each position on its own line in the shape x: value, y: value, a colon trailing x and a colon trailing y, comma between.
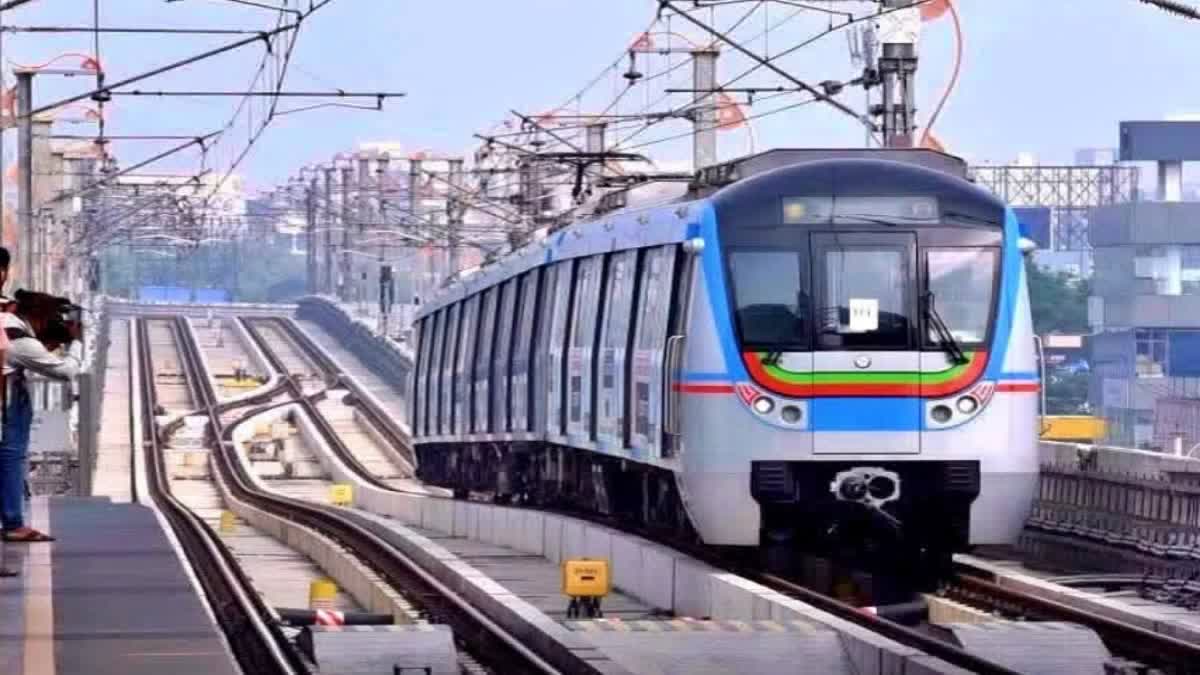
x: 853, y: 422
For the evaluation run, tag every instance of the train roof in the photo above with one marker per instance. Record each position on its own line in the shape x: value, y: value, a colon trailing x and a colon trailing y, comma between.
x: 712, y: 178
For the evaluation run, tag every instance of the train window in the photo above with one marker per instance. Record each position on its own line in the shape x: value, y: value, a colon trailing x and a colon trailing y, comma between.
x: 961, y: 283
x: 505, y: 318
x: 650, y: 336
x: 865, y: 290
x: 483, y: 359
x: 580, y: 357
x: 435, y: 373
x: 614, y: 345
x: 464, y: 370
x: 772, y: 308
x: 522, y: 351
x: 446, y: 424
x: 555, y: 314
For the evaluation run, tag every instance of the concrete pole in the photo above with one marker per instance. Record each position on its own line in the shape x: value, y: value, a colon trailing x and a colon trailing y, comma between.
x: 704, y: 114
x: 414, y: 210
x: 310, y: 246
x: 454, y: 214
x: 596, y: 144
x: 364, y: 217
x: 56, y: 221
x: 898, y: 68
x: 382, y: 165
x: 23, y: 256
x: 344, y: 267
x: 327, y: 286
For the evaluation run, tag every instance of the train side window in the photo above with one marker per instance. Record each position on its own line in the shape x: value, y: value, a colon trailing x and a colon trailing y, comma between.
x: 505, y: 319
x: 580, y: 356
x: 435, y: 373
x: 614, y: 344
x: 483, y: 359
x: 522, y: 351
x: 556, y: 362
x: 450, y: 349
x: 465, y: 368
x: 420, y: 393
x: 650, y: 336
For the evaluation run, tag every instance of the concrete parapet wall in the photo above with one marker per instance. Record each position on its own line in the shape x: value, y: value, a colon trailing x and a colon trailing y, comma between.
x: 1105, y: 459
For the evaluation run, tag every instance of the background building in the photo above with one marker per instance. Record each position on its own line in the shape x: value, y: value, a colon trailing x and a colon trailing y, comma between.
x: 1145, y: 306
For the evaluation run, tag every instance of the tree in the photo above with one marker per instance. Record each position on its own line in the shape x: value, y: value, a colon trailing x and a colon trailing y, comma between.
x: 1058, y: 300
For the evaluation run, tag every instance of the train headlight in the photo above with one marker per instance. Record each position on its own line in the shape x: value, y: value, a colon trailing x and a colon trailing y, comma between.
x: 967, y: 405
x: 791, y: 414
x: 763, y: 405
x: 941, y: 413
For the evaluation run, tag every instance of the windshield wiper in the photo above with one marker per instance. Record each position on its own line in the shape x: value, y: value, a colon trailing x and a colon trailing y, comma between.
x: 945, y: 337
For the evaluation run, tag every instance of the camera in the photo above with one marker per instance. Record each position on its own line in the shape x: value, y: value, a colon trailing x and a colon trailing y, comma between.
x: 63, y: 318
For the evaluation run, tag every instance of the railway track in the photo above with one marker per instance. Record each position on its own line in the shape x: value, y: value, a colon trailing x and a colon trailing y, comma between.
x: 1126, y: 640
x: 892, y: 630
x: 972, y: 587
x: 494, y: 648
x: 258, y: 643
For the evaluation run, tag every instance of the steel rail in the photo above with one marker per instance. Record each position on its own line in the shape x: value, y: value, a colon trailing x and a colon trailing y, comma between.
x: 1128, y: 640
x: 501, y: 651
x: 383, y: 423
x: 256, y: 639
x: 306, y: 402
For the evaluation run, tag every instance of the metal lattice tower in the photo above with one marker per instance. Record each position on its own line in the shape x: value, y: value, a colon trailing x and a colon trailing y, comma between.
x: 1070, y: 192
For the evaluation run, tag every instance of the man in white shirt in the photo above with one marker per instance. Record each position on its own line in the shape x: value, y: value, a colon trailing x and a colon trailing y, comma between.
x: 34, y: 334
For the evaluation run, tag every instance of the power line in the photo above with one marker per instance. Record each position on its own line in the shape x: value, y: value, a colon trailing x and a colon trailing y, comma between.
x: 1177, y: 8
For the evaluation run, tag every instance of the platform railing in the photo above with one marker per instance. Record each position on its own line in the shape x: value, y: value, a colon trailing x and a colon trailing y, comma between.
x: 1116, y: 509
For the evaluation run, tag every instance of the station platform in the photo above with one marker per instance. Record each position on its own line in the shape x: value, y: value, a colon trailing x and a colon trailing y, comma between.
x: 109, y: 597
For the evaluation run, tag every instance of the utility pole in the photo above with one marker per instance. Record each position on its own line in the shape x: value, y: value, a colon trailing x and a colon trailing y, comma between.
x: 454, y: 213
x: 327, y: 285
x: 382, y: 163
x: 704, y: 114
x: 24, y: 251
x: 414, y: 201
x: 595, y: 144
x: 364, y: 180
x: 897, y: 70
x: 310, y: 249
x: 344, y: 280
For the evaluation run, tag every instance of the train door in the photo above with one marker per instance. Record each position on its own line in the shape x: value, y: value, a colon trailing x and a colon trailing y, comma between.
x: 483, y: 359
x: 450, y: 352
x: 580, y: 354
x: 649, y: 341
x: 556, y: 315
x: 867, y: 362
x: 421, y: 390
x: 435, y: 373
x: 463, y: 373
x: 521, y: 349
x: 505, y: 318
x: 614, y: 346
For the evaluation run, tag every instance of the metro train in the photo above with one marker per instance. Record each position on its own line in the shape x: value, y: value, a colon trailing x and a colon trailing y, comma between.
x: 826, y: 351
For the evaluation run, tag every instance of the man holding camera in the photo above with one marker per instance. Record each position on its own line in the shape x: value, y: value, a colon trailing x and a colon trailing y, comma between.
x: 37, y: 326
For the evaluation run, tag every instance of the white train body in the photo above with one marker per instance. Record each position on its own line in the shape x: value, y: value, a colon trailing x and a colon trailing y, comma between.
x: 837, y: 346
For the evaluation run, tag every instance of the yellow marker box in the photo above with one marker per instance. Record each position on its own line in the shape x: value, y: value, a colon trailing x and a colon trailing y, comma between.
x: 341, y: 494
x: 585, y: 578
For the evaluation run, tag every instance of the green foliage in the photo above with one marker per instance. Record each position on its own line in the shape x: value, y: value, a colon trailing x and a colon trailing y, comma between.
x: 1059, y: 301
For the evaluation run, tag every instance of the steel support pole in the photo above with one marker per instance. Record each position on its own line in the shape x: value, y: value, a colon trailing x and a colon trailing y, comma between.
x: 310, y: 246
x: 414, y: 209
x: 364, y: 216
x: 23, y: 256
x: 327, y: 284
x: 454, y: 214
x: 344, y: 266
x: 704, y: 112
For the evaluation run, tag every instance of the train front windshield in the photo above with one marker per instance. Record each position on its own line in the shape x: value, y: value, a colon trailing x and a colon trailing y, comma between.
x: 862, y: 279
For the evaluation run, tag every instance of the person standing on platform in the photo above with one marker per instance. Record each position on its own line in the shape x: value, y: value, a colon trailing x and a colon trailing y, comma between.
x: 35, y: 330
